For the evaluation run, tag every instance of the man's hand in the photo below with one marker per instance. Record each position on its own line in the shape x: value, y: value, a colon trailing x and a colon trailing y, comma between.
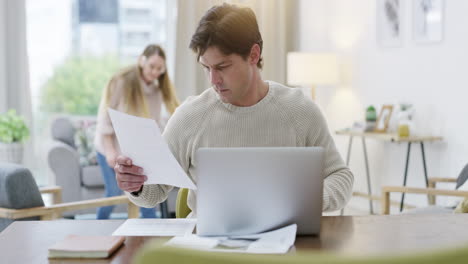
x: 129, y: 177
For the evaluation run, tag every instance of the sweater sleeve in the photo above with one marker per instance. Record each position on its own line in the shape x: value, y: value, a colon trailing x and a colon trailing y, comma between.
x: 338, y: 182
x: 151, y: 195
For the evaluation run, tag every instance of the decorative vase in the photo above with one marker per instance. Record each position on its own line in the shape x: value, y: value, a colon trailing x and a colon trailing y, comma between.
x: 11, y: 152
x: 403, y: 130
x: 405, y: 123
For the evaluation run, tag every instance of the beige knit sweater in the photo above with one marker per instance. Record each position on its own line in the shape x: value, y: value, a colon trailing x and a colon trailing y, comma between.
x: 283, y: 118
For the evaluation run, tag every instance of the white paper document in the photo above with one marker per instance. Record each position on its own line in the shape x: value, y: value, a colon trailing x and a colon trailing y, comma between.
x: 140, y: 139
x: 274, y: 242
x: 156, y: 227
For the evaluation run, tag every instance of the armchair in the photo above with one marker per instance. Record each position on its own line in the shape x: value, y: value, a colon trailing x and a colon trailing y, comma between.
x: 81, y: 182
x: 431, y: 193
x: 77, y: 182
x: 182, y: 209
x: 20, y: 198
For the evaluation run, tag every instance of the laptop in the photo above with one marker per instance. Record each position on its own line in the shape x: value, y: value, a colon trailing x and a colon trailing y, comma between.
x: 251, y: 190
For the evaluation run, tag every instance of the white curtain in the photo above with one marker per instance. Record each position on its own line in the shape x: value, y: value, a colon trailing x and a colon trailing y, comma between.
x: 189, y: 78
x: 14, y: 69
x: 275, y: 21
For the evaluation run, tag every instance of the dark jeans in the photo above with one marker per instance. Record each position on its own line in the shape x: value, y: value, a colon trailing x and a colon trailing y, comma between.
x: 112, y: 189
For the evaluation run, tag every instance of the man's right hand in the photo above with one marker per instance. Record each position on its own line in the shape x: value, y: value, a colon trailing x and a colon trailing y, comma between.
x: 130, y: 178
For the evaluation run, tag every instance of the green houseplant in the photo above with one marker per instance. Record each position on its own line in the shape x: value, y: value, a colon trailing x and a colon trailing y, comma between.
x: 13, y: 132
x: 371, y: 118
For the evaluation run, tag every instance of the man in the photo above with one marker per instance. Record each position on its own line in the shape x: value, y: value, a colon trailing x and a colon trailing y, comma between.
x: 241, y: 110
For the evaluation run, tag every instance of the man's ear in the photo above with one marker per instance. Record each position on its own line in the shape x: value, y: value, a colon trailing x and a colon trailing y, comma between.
x: 254, y: 55
x: 141, y: 61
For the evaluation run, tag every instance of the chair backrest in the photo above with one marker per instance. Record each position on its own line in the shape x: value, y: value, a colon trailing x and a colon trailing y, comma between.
x: 154, y: 253
x: 18, y: 190
x: 462, y: 177
x: 182, y: 209
x: 63, y: 130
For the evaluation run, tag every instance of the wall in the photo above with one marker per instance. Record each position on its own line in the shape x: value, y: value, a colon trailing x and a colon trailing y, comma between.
x: 430, y: 76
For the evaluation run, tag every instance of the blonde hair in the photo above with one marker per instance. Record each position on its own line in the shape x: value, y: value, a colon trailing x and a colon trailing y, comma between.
x: 134, y: 101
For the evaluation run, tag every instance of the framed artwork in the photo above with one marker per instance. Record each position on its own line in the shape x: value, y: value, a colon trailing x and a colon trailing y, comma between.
x: 389, y: 23
x: 383, y: 119
x: 428, y: 18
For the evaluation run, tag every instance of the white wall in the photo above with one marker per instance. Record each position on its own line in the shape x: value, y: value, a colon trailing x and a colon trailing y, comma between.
x: 431, y: 77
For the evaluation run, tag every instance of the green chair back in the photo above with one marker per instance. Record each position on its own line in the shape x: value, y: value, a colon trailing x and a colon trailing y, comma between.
x: 182, y: 209
x: 155, y: 253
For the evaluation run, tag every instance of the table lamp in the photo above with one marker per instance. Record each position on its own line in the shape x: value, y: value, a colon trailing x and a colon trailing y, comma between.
x: 312, y: 69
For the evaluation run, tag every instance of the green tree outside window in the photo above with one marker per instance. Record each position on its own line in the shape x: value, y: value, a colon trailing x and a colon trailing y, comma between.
x: 76, y: 86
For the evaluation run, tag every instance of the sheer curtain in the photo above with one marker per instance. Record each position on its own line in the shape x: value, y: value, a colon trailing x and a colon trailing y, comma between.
x: 275, y: 21
x: 14, y: 69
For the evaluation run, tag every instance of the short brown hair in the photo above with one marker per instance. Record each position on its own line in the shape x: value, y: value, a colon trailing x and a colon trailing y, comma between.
x: 230, y: 28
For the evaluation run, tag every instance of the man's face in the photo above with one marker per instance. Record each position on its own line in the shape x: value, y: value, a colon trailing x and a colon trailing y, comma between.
x: 230, y: 75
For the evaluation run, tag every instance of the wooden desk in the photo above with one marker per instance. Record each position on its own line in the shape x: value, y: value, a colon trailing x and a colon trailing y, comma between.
x: 390, y: 138
x: 28, y: 241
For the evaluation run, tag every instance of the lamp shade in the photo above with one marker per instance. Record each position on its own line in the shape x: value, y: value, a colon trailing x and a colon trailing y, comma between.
x: 312, y: 69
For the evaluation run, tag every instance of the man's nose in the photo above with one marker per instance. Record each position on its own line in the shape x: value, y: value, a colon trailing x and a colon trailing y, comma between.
x: 215, y: 78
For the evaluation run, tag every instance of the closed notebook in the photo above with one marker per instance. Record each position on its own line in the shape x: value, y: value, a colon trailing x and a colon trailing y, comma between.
x: 77, y: 246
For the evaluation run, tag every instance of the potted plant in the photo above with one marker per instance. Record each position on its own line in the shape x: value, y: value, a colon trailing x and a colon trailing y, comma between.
x: 13, y: 132
x: 371, y: 118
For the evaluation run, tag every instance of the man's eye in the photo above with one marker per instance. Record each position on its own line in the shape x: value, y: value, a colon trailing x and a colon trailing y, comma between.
x: 220, y: 68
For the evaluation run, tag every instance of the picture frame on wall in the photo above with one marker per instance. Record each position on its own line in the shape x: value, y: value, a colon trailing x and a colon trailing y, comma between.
x: 383, y: 119
x: 428, y: 20
x: 389, y: 23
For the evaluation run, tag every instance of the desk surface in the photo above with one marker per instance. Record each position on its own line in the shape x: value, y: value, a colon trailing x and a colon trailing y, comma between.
x: 389, y: 136
x: 28, y: 241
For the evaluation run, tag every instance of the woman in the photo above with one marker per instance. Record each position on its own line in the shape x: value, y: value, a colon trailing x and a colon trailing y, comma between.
x: 143, y: 90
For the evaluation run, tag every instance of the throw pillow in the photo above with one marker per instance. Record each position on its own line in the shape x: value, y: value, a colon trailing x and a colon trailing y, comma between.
x: 84, y: 139
x: 462, y: 207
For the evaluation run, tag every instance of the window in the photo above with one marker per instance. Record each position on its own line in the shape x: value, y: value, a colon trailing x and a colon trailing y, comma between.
x: 103, y: 11
x: 137, y: 15
x: 74, y: 47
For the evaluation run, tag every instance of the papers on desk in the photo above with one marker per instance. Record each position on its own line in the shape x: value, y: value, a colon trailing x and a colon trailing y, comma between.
x: 156, y: 227
x: 274, y: 242
x: 140, y: 139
